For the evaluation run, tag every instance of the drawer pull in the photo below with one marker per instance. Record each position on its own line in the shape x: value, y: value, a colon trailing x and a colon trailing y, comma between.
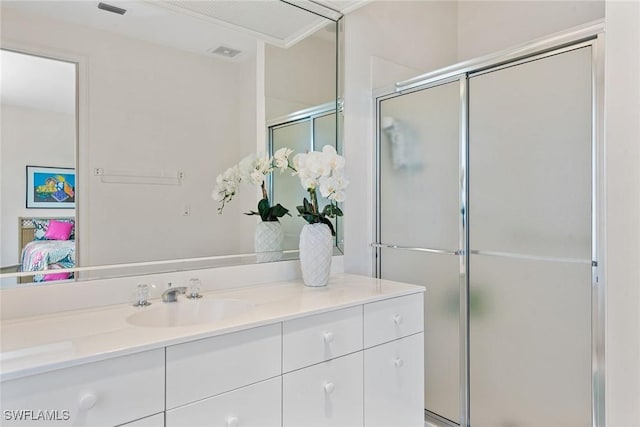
x: 87, y: 401
x: 398, y: 363
x: 328, y: 337
x: 232, y: 422
x: 397, y: 319
x: 329, y: 387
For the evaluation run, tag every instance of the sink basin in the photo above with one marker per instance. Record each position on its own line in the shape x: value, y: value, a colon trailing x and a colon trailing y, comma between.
x: 186, y: 312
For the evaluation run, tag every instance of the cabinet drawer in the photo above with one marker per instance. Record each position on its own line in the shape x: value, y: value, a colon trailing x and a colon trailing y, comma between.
x: 325, y: 336
x: 258, y: 405
x: 328, y: 394
x: 104, y: 393
x: 207, y: 367
x: 393, y: 318
x: 394, y: 383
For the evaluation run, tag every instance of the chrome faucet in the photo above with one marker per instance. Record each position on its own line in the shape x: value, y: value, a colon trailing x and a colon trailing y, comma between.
x: 171, y: 294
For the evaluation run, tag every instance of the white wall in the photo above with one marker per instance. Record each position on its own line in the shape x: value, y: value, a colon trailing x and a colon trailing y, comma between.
x: 384, y: 41
x: 299, y: 77
x: 622, y: 180
x: 489, y: 26
x: 152, y: 109
x: 29, y: 137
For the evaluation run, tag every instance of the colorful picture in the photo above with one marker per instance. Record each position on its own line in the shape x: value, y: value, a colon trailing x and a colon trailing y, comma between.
x: 49, y: 188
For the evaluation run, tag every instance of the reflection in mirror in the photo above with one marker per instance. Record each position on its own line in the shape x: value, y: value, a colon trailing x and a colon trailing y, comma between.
x: 305, y: 131
x: 38, y: 156
x: 300, y: 110
x: 169, y: 97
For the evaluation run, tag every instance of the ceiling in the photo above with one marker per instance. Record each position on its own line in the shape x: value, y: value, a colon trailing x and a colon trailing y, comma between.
x: 200, y: 26
x: 40, y: 83
x: 194, y: 26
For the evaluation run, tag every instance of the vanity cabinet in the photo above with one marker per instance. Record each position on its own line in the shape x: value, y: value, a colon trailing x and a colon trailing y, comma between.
x: 394, y: 383
x: 322, y: 365
x: 204, y: 368
x: 314, y: 339
x: 394, y: 362
x: 328, y: 394
x: 104, y: 393
x: 257, y: 405
x: 356, y: 366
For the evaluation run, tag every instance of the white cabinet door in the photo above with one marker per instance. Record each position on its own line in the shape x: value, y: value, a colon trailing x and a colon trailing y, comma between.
x: 257, y: 405
x: 211, y: 366
x: 314, y: 339
x: 105, y: 393
x: 393, y: 318
x: 394, y: 387
x: 152, y: 421
x: 328, y: 394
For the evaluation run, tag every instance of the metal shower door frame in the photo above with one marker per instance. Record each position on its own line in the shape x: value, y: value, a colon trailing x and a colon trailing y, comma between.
x: 592, y: 35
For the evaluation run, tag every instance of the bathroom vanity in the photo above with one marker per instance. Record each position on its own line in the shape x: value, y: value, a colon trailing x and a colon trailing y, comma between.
x: 278, y: 354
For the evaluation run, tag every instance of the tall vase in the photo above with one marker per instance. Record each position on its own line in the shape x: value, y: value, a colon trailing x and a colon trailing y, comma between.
x: 316, y: 251
x: 268, y: 241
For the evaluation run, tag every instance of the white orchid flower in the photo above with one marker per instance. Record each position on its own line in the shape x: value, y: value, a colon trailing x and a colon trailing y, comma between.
x: 281, y: 158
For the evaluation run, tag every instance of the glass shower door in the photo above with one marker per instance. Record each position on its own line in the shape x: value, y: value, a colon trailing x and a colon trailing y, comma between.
x: 286, y: 189
x: 310, y: 132
x: 419, y: 205
x: 530, y: 186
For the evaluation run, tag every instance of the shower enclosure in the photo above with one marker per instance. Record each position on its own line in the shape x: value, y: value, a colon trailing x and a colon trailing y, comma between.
x: 488, y: 196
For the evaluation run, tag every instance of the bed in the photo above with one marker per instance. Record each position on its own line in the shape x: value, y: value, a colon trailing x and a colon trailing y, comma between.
x: 46, y: 245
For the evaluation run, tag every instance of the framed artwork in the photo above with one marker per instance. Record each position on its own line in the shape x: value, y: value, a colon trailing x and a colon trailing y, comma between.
x: 51, y: 188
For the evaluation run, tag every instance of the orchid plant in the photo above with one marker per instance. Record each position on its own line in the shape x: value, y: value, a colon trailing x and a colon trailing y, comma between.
x: 253, y: 170
x: 321, y: 171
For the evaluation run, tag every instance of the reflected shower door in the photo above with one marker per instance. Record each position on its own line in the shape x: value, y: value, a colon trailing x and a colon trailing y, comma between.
x: 286, y: 188
x: 309, y: 133
x: 530, y: 186
x: 419, y: 208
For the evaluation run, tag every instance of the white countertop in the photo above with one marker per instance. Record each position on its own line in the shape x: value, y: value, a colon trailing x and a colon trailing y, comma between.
x: 43, y: 343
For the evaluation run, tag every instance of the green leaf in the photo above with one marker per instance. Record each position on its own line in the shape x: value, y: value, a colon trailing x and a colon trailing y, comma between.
x: 307, y: 206
x: 311, y: 218
x: 279, y: 211
x: 263, y: 208
x: 331, y: 211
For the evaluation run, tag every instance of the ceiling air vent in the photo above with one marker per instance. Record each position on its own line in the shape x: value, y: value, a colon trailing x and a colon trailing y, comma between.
x: 113, y: 9
x: 224, y: 51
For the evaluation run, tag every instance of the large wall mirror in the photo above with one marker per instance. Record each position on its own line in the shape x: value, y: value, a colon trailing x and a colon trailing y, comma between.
x: 117, y: 119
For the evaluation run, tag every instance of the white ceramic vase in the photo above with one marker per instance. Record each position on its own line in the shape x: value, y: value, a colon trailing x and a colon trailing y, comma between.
x: 268, y: 240
x: 316, y: 251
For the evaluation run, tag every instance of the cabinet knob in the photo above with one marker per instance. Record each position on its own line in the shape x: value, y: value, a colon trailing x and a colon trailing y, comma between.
x: 328, y: 337
x: 233, y: 422
x: 329, y: 387
x: 87, y: 401
x: 397, y: 319
x: 398, y: 363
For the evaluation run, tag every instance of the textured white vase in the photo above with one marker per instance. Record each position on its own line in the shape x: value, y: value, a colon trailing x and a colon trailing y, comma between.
x: 268, y: 240
x: 316, y: 251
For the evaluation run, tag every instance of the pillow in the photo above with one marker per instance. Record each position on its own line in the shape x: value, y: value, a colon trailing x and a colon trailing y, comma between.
x: 58, y: 230
x: 55, y: 276
x: 40, y: 226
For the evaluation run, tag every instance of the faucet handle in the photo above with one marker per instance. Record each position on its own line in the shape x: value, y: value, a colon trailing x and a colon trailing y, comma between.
x: 194, y: 289
x: 142, y: 296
